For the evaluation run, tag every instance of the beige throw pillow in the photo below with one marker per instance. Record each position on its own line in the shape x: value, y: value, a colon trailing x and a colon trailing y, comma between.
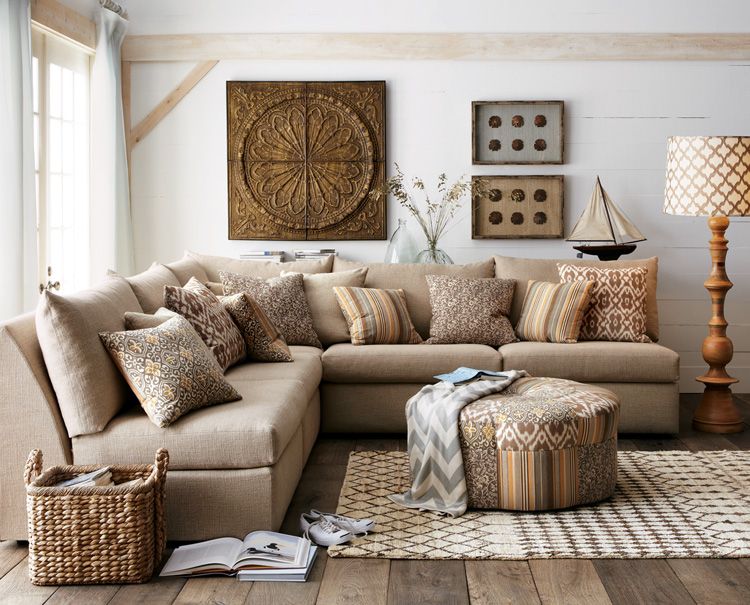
x: 618, y: 302
x: 148, y: 286
x: 139, y: 321
x: 473, y: 311
x: 170, y: 369
x: 212, y: 322
x: 263, y: 341
x: 329, y: 323
x: 283, y: 299
x: 376, y: 316
x: 89, y: 389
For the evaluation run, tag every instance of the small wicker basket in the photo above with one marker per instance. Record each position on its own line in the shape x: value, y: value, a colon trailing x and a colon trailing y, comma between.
x: 95, y: 535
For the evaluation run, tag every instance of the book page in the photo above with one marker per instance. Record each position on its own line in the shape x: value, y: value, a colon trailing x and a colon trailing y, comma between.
x: 269, y: 546
x: 220, y: 553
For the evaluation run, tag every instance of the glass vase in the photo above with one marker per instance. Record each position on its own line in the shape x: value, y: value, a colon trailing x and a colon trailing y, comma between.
x: 402, y: 248
x: 434, y: 255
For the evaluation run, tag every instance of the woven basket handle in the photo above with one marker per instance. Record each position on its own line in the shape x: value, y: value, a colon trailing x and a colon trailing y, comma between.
x: 33, y: 466
x: 161, y: 462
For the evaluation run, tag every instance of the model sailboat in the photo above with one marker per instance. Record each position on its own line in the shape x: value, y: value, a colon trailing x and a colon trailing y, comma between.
x: 603, y: 228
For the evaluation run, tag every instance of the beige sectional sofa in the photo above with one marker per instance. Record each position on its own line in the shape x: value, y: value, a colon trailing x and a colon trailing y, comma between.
x: 235, y: 466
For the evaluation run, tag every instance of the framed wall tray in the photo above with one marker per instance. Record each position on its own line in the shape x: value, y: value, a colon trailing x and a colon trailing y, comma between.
x: 517, y: 132
x: 302, y: 159
x: 517, y: 207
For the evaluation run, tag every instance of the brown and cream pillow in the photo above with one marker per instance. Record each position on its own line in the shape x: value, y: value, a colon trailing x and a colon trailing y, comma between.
x: 470, y: 310
x: 212, y: 322
x: 376, y: 316
x: 283, y: 299
x: 263, y: 341
x: 618, y: 302
x: 553, y: 312
x: 169, y: 368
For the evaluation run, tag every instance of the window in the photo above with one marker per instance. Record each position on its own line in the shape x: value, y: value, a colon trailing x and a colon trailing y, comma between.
x: 61, y: 145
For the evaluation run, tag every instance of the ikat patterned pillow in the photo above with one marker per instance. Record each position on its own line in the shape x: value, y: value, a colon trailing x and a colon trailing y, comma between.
x: 203, y: 310
x: 617, y: 311
x: 263, y: 341
x: 169, y: 368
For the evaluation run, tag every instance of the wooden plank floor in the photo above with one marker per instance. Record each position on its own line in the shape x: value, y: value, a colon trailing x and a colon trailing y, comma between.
x: 373, y: 581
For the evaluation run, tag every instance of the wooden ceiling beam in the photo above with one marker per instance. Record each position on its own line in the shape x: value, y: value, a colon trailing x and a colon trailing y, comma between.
x: 53, y: 16
x: 441, y: 46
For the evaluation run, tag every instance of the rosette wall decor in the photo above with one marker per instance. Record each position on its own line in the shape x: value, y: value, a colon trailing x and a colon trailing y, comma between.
x: 303, y: 158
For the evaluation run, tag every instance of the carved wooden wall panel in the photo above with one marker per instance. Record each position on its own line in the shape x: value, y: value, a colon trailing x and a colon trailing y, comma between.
x: 302, y: 159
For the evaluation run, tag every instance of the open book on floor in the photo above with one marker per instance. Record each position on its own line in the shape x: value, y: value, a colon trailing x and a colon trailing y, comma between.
x: 260, y: 550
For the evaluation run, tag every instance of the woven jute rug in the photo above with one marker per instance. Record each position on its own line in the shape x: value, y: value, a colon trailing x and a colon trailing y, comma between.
x: 667, y: 505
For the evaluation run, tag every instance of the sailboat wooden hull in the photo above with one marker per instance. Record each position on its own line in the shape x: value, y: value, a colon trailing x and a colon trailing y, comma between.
x: 607, y: 252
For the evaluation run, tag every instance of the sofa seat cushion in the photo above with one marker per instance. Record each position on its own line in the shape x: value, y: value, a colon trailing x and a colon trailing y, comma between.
x: 305, y: 367
x: 593, y: 361
x: 347, y: 363
x: 250, y: 433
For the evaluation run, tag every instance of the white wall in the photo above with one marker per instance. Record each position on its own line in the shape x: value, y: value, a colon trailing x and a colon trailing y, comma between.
x: 618, y: 116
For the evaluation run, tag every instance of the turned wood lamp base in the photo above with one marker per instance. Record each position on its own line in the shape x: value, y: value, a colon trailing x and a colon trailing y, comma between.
x: 717, y: 412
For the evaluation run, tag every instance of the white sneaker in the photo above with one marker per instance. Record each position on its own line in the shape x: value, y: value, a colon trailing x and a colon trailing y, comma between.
x: 322, y: 532
x: 358, y: 527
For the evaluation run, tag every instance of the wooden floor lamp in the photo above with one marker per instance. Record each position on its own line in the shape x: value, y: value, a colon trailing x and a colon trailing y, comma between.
x: 710, y: 176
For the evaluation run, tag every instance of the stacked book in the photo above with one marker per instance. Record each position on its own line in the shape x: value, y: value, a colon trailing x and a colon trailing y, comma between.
x: 263, y: 556
x: 274, y: 256
x: 314, y: 254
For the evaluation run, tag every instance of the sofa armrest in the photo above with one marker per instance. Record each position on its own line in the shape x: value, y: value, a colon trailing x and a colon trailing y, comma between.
x: 29, y: 416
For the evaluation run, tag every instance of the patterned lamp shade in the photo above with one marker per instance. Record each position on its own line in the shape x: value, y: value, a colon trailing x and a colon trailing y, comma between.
x: 708, y: 176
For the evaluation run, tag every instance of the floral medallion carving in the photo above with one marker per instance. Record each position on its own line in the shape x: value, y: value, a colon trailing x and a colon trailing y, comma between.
x: 303, y: 158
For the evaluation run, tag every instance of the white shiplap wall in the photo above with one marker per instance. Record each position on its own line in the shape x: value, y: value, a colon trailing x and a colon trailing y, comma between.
x: 618, y: 117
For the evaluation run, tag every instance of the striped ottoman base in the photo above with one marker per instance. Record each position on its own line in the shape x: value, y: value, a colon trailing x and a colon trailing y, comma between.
x: 542, y: 444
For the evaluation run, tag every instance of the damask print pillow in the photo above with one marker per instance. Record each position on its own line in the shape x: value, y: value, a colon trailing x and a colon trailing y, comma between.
x: 203, y: 310
x: 169, y: 368
x: 470, y: 310
x: 617, y: 310
x: 263, y: 341
x: 283, y: 299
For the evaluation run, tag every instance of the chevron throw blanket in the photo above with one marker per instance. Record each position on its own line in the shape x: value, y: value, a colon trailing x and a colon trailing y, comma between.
x: 437, y: 467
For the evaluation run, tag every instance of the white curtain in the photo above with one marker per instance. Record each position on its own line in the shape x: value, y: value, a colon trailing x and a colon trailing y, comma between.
x: 18, y: 240
x: 111, y: 221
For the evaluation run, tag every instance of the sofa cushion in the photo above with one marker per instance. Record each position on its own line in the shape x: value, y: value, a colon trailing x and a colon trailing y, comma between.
x: 169, y: 368
x: 411, y: 279
x: 284, y: 301
x: 249, y: 433
x: 89, y: 388
x: 376, y: 316
x: 594, y: 361
x: 210, y: 319
x: 328, y: 321
x: 525, y: 269
x: 148, y: 286
x: 187, y: 267
x: 263, y: 340
x: 470, y: 310
x: 306, y: 368
x: 403, y: 363
x: 139, y: 321
x: 254, y: 268
x: 553, y: 312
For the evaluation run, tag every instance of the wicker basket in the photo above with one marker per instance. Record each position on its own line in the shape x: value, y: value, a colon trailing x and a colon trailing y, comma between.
x: 95, y: 535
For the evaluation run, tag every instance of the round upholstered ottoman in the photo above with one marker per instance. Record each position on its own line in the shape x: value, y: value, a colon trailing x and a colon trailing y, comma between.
x: 542, y: 444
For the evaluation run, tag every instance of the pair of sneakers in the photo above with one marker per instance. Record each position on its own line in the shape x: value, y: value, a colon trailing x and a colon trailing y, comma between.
x: 327, y: 529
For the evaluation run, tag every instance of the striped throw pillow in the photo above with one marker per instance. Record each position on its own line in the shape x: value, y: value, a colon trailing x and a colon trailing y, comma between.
x: 376, y: 316
x: 554, y: 312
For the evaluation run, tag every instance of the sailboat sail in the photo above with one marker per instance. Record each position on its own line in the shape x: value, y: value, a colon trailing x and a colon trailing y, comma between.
x: 603, y: 221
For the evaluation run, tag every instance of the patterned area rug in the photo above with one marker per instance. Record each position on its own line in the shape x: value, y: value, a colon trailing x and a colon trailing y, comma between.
x: 667, y: 505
